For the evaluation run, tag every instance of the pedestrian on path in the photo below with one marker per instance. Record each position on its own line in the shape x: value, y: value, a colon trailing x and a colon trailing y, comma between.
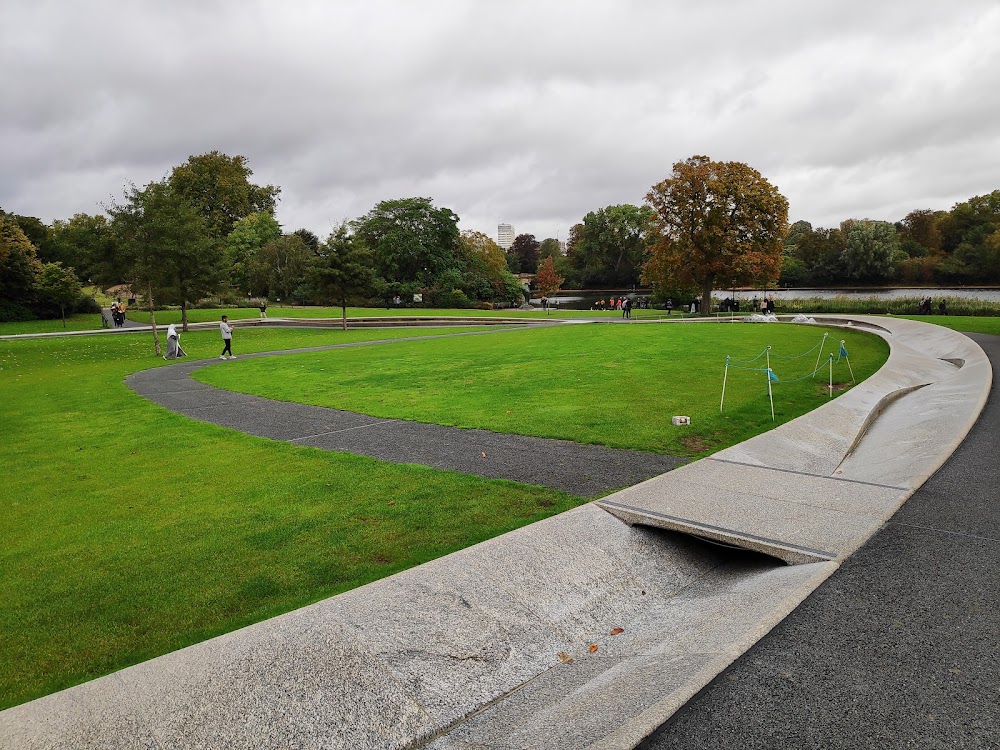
x: 627, y: 308
x: 263, y: 311
x: 173, y: 344
x: 227, y: 339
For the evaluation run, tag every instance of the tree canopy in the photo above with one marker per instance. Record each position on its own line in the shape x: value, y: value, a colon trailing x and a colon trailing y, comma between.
x: 715, y: 224
x: 219, y: 188
x: 611, y: 246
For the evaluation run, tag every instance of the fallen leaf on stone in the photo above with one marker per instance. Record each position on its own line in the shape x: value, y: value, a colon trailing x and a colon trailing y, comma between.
x: 484, y: 453
x: 617, y: 631
x: 565, y: 658
x: 593, y: 647
x: 392, y: 502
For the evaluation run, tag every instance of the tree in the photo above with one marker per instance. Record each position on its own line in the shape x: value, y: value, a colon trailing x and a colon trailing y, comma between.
x: 281, y: 266
x: 59, y: 286
x: 549, y: 248
x: 244, y: 242
x: 311, y: 240
x: 342, y: 270
x: 525, y: 249
x: 20, y: 270
x: 612, y: 246
x: 39, y: 235
x: 547, y: 280
x: 219, y: 188
x: 715, y: 223
x: 485, y: 269
x: 821, y: 252
x: 86, y: 243
x: 411, y: 239
x: 158, y: 231
x: 870, y: 254
x: 920, y: 230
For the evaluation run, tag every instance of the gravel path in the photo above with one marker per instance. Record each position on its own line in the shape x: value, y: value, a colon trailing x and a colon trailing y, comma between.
x: 899, y: 648
x: 583, y: 470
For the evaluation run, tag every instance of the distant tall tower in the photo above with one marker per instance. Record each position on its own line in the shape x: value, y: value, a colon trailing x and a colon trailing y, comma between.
x: 505, y: 236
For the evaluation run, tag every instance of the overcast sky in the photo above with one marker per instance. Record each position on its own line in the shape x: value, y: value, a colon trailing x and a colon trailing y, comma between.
x: 532, y: 113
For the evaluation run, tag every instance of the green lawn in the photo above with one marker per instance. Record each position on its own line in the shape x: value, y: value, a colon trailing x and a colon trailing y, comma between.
x: 129, y: 531
x: 614, y: 385
x: 79, y: 322
x: 243, y: 313
x: 964, y: 323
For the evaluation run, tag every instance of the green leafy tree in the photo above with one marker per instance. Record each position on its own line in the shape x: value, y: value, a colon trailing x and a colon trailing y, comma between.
x: 244, y: 242
x: 281, y: 266
x: 870, y: 252
x: 485, y: 270
x: 714, y: 224
x: 547, y: 280
x: 921, y: 233
x: 612, y: 246
x: 39, y: 234
x: 60, y: 286
x: 525, y: 250
x: 219, y: 188
x: 160, y: 233
x: 20, y: 270
x: 311, y: 240
x: 821, y: 252
x: 549, y: 248
x: 343, y: 270
x: 86, y: 243
x: 412, y: 240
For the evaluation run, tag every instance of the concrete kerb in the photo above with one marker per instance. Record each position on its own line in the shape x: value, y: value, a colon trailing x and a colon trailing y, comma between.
x: 494, y: 646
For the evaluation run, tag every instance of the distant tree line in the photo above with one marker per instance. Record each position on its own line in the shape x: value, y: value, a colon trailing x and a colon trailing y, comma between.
x: 206, y: 231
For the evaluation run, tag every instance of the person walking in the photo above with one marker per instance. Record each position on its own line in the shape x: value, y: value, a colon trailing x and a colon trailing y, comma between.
x: 227, y: 339
x: 627, y: 308
x: 173, y: 344
x: 263, y: 311
x: 670, y: 305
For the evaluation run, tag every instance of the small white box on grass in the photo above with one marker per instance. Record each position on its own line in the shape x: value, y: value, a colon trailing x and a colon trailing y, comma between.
x: 681, y: 420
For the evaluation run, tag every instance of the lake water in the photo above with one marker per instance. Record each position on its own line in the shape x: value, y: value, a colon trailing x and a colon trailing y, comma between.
x: 582, y: 300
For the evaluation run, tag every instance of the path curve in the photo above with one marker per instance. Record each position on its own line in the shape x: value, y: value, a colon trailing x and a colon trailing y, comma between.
x: 583, y: 470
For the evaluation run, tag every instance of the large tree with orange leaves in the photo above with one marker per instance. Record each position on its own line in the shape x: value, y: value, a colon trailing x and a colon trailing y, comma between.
x: 715, y: 224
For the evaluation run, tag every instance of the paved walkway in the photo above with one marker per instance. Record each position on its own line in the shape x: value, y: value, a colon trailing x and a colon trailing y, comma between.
x: 584, y: 470
x: 900, y: 648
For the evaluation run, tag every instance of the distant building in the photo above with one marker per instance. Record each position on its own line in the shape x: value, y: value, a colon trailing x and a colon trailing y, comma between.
x: 505, y: 235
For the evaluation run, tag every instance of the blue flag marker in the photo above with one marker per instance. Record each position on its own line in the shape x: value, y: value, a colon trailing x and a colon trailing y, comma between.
x: 843, y: 351
x: 771, y: 375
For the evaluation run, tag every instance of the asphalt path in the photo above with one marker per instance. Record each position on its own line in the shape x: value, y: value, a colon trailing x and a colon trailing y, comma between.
x: 583, y: 470
x: 900, y: 648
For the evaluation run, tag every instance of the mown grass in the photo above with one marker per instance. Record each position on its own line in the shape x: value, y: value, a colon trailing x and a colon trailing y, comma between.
x: 613, y: 385
x: 966, y: 324
x: 165, y: 317
x: 129, y: 531
x: 78, y: 322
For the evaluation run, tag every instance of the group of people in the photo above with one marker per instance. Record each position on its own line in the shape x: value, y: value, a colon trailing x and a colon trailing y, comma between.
x: 175, y: 351
x: 118, y: 313
x: 766, y: 305
x: 729, y: 304
x: 618, y: 303
x: 924, y: 308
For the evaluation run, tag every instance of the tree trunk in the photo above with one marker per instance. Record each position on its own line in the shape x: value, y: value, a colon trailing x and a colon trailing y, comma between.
x: 706, y: 297
x: 184, y: 315
x: 152, y: 322
x: 62, y: 309
x: 343, y: 313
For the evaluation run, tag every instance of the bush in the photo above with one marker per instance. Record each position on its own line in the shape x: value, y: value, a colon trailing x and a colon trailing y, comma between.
x: 86, y: 304
x: 12, y: 312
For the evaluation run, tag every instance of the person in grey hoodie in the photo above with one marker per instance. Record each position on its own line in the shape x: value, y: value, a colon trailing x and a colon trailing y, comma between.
x: 227, y: 339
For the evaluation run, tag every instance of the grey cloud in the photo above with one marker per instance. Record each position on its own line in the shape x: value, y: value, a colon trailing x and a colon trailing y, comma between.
x: 533, y: 113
